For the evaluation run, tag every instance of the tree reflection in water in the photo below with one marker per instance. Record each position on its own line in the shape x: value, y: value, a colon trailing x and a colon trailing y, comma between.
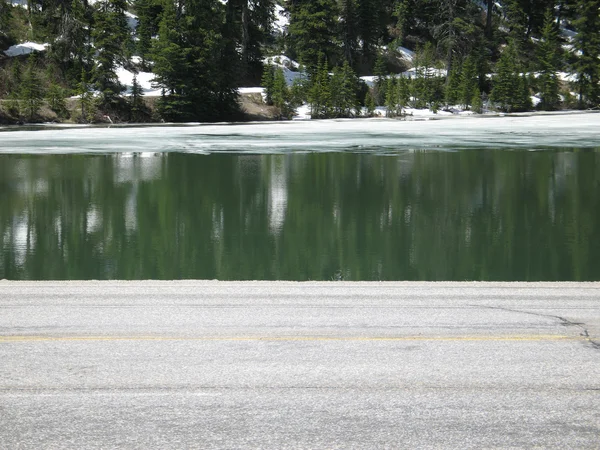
x: 467, y: 215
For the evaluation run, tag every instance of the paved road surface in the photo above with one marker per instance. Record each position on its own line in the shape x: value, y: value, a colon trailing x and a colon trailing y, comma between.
x: 299, y: 365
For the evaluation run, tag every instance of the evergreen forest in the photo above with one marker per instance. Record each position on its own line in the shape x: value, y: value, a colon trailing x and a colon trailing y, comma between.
x: 343, y: 58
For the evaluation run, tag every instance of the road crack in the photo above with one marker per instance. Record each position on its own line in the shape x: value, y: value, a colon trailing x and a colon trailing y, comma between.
x: 563, y: 321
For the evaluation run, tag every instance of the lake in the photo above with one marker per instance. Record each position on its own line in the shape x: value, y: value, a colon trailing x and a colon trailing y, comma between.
x: 468, y: 199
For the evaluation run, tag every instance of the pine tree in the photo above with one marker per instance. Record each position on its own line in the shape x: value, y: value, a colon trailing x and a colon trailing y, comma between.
x: 403, y: 95
x: 549, y: 55
x: 256, y: 32
x: 348, y: 30
x: 343, y: 89
x: 505, y: 80
x: 477, y: 102
x: 299, y: 91
x: 400, y: 14
x: 453, y: 84
x: 45, y: 17
x: 370, y: 13
x: 111, y: 35
x: 391, y: 99
x: 72, y: 47
x: 319, y: 93
x: 267, y: 83
x: 380, y: 72
x: 136, y: 101
x: 32, y: 94
x: 148, y: 13
x: 587, y: 42
x: 190, y: 63
x: 5, y: 16
x: 169, y: 54
x: 86, y: 99
x: 370, y: 104
x: 516, y: 20
x: 468, y: 81
x: 312, y: 28
x: 16, y: 76
x: 350, y: 88
x: 280, y: 93
x: 522, y: 100
x: 336, y: 96
x: 230, y: 31
x: 56, y: 100
x: 425, y: 76
x: 448, y: 31
x: 247, y: 28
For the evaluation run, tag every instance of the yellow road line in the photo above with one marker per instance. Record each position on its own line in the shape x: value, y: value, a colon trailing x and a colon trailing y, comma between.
x: 510, y: 338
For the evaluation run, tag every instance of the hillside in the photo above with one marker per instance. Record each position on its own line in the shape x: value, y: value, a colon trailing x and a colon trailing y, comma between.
x: 176, y: 60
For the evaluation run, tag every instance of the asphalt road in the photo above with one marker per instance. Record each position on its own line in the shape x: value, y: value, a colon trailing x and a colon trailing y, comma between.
x: 273, y: 365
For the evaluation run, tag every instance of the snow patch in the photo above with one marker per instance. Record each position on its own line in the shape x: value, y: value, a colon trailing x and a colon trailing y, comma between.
x: 251, y: 90
x: 144, y: 79
x: 132, y: 20
x: 302, y: 112
x: 406, y: 53
x: 281, y: 61
x: 25, y: 49
x: 370, y: 80
x: 289, y: 66
x: 570, y: 77
x: 281, y: 20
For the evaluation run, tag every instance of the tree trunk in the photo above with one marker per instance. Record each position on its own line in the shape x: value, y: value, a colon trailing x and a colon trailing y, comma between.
x: 488, y: 20
x: 245, y: 38
x: 451, y: 37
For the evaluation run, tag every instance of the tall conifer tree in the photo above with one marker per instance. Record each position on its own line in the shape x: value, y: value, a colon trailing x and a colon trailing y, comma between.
x: 32, y: 94
x: 148, y: 13
x: 72, y: 47
x: 136, y: 101
x: 549, y: 55
x: 587, y: 42
x: 5, y: 14
x: 506, y: 80
x: 189, y: 62
x: 403, y: 94
x: 468, y: 81
x: 111, y: 36
x: 319, y: 95
x: 349, y: 30
x: 313, y: 25
x: 452, y: 94
x: 369, y: 15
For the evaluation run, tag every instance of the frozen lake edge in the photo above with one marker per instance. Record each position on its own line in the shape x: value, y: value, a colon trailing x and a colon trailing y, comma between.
x: 529, y: 131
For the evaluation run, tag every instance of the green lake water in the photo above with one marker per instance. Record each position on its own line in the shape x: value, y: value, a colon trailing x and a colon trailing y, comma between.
x: 414, y: 215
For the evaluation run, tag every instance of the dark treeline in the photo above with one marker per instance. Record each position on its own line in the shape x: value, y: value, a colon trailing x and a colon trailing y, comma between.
x: 467, y: 53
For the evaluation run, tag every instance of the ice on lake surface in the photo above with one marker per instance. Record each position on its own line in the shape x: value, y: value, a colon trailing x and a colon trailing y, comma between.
x: 535, y: 132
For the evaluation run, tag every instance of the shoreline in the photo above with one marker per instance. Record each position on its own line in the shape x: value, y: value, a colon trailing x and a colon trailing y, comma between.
x: 539, y: 131
x: 327, y: 283
x: 33, y: 126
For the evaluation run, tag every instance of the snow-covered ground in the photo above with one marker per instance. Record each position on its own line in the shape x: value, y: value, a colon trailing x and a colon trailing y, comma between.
x: 384, y: 136
x: 281, y: 20
x: 406, y: 53
x: 303, y: 113
x: 291, y: 69
x: 25, y: 49
x: 410, y: 73
x: 144, y: 79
